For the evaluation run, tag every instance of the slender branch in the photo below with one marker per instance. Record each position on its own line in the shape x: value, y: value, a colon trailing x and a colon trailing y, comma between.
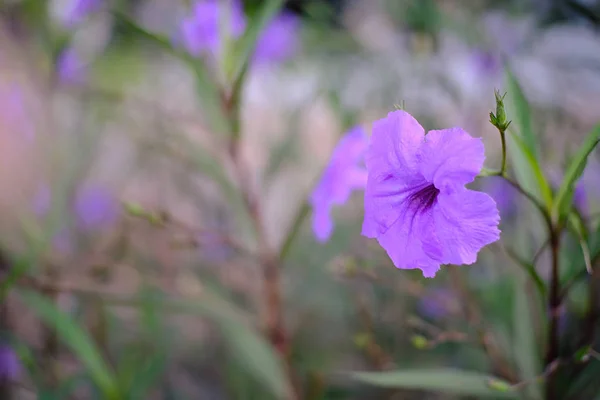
x: 503, y: 141
x: 554, y: 301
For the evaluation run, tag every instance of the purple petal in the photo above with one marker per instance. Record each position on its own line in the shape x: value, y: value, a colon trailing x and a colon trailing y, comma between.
x: 451, y: 158
x: 70, y: 68
x: 465, y: 221
x: 416, y: 204
x: 504, y: 194
x: 410, y: 244
x: 10, y: 367
x: 279, y: 41
x: 342, y: 176
x: 392, y: 166
x: 201, y: 31
x: 78, y: 10
x: 95, y: 207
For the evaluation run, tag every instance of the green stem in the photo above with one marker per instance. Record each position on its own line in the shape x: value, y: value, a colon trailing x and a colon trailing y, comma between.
x: 554, y: 301
x: 503, y: 140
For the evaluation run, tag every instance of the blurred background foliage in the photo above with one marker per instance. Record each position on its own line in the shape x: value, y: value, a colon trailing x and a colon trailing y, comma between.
x: 139, y: 243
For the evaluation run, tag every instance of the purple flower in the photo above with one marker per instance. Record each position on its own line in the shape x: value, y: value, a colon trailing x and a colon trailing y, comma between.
x: 437, y: 303
x: 69, y: 67
x: 201, y: 31
x: 279, y: 41
x: 505, y: 195
x: 95, y: 207
x: 416, y: 203
x: 343, y: 175
x: 486, y: 64
x: 579, y: 193
x: 9, y: 363
x: 78, y: 10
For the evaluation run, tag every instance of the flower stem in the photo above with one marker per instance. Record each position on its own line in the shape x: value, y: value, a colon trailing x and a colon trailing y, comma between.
x: 503, y: 141
x: 270, y: 260
x: 554, y: 301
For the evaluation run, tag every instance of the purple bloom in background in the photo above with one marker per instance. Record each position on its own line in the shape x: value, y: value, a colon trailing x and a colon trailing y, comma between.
x: 486, y: 63
x: 9, y: 363
x: 279, y: 41
x: 69, y: 67
x: 201, y: 31
x: 437, y: 303
x: 78, y: 10
x: 504, y: 194
x: 343, y: 175
x: 579, y: 193
x: 416, y: 203
x: 95, y: 207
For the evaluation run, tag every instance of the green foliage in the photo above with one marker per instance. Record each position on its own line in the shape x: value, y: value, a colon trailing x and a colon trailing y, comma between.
x: 438, y: 380
x: 77, y: 339
x: 522, y: 145
x: 564, y: 198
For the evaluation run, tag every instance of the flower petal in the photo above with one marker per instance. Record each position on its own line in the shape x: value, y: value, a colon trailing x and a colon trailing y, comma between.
x: 465, y: 221
x: 392, y: 165
x: 451, y: 158
x: 342, y: 176
x: 408, y: 243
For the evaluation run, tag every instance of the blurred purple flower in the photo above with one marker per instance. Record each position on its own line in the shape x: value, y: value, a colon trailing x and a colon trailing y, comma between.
x: 279, y: 41
x: 416, y: 202
x: 77, y: 10
x: 437, y: 303
x: 201, y: 31
x: 9, y: 363
x: 343, y: 175
x: 505, y: 195
x: 95, y: 207
x: 579, y: 194
x: 69, y: 67
x: 486, y: 63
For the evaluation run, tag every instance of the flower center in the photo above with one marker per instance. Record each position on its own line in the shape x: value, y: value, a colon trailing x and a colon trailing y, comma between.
x: 423, y: 199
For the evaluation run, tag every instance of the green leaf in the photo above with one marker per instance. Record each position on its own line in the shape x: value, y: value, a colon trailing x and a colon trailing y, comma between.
x: 438, y: 380
x: 207, y: 90
x: 522, y: 144
x: 244, y: 47
x: 77, y: 339
x: 564, y: 198
x: 245, y: 344
x: 527, y: 169
x: 577, y: 225
x: 520, y: 108
x: 525, y: 343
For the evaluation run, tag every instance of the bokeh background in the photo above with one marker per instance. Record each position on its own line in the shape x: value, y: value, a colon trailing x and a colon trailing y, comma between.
x: 138, y: 263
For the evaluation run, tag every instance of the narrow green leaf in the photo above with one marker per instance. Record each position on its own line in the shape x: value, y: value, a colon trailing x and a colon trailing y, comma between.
x: 522, y: 141
x: 564, y: 198
x: 244, y: 343
x: 521, y: 110
x: 529, y: 268
x: 527, y: 169
x: 244, y: 47
x: 577, y: 225
x: 437, y: 380
x: 525, y: 342
x: 76, y: 338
